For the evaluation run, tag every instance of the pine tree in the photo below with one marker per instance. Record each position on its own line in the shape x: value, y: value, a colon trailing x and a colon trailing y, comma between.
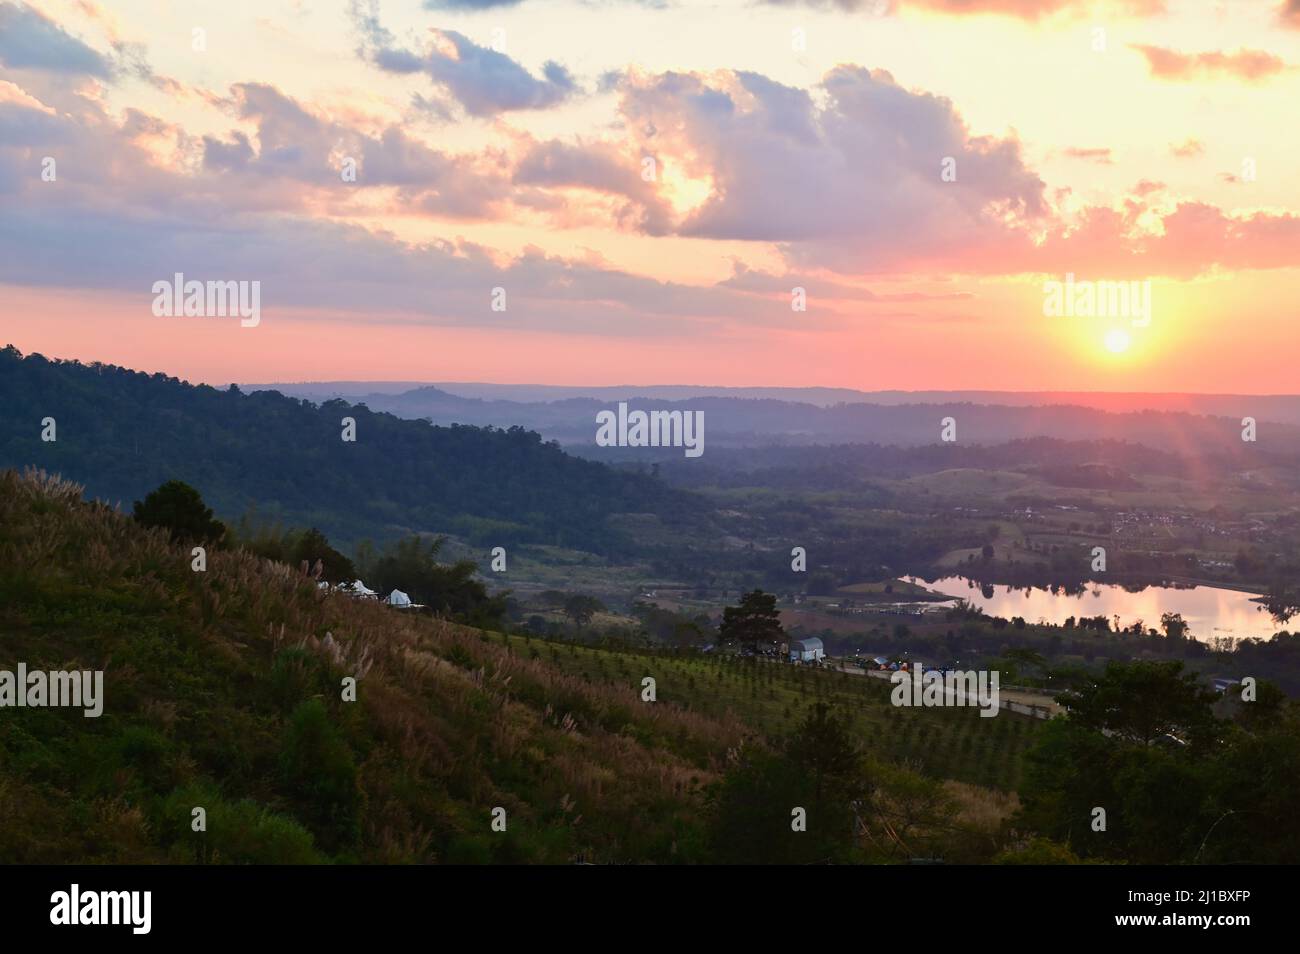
x: 756, y: 620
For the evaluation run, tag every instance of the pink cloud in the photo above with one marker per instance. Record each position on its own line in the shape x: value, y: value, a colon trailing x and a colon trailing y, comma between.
x: 1022, y: 9
x: 1249, y: 65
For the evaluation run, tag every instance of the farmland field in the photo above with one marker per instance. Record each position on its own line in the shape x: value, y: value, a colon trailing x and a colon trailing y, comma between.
x: 770, y: 697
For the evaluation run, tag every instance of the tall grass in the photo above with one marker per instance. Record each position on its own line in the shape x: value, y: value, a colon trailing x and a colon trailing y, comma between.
x: 448, y: 722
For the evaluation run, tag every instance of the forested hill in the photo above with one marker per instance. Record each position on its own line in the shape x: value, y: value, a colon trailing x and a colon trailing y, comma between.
x: 121, y: 433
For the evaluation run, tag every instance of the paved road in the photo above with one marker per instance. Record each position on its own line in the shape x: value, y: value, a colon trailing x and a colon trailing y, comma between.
x: 1044, y: 709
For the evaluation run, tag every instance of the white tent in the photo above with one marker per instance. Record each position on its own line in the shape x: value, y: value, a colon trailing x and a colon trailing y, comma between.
x: 398, y: 598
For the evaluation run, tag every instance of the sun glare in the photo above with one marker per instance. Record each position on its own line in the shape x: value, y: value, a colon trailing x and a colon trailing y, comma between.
x: 1117, y: 341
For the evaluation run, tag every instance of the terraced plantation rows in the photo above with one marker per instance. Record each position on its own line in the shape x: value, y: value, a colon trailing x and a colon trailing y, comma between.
x: 770, y: 697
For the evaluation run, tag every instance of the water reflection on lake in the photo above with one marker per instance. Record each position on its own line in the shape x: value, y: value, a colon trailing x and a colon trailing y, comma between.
x: 1209, y: 611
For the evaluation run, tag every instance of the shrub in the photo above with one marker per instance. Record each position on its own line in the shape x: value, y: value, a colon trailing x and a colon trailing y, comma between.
x: 321, y: 776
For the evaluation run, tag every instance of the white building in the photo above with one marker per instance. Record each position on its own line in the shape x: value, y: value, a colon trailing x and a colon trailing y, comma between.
x: 807, y: 650
x: 358, y: 590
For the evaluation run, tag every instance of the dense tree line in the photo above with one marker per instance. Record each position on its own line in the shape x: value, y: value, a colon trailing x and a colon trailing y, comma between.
x: 121, y: 433
x: 853, y: 466
x: 451, y: 590
x: 1181, y: 774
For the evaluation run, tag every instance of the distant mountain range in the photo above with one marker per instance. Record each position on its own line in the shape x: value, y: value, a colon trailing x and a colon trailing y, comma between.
x: 750, y: 417
x: 1278, y: 408
x: 493, y: 479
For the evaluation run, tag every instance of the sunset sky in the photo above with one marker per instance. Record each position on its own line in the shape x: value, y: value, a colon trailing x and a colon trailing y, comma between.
x: 794, y: 144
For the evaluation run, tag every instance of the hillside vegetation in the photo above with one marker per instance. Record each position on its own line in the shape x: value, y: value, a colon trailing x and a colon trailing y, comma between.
x: 223, y: 691
x: 771, y: 697
x: 121, y: 433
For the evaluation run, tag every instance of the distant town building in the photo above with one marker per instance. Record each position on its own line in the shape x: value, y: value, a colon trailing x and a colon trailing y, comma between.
x: 807, y: 650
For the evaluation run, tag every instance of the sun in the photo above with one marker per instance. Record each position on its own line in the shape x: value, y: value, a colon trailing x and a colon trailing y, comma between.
x: 1117, y: 341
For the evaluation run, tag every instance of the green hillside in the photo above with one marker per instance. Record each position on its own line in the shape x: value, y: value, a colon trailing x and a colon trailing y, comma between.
x: 121, y: 433
x: 222, y: 691
x: 770, y: 698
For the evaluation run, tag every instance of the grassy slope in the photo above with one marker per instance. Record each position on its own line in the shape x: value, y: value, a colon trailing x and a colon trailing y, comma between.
x: 221, y: 692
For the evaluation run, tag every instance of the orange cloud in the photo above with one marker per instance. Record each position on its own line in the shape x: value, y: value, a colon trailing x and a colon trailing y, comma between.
x: 1024, y: 9
x: 1098, y: 155
x: 1188, y: 149
x: 1249, y: 65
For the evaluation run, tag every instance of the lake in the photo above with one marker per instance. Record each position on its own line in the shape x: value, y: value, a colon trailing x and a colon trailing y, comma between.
x: 1209, y: 610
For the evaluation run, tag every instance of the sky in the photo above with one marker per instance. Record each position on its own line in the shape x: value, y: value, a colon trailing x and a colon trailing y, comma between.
x: 875, y: 194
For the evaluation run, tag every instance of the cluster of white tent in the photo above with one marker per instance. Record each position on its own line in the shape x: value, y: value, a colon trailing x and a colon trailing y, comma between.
x: 359, y: 590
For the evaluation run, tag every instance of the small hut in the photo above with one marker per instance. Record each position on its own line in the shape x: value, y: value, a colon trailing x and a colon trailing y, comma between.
x: 805, y: 650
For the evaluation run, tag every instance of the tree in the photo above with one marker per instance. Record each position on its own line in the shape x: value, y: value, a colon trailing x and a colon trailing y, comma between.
x: 313, y: 546
x: 178, y: 508
x: 455, y: 592
x: 756, y: 620
x: 818, y: 769
x: 687, y: 634
x: 1024, y: 657
x: 1144, y: 702
x: 1227, y: 797
x: 824, y: 748
x: 581, y: 608
x: 410, y: 565
x: 1282, y: 600
x: 1174, y: 625
x: 551, y: 599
